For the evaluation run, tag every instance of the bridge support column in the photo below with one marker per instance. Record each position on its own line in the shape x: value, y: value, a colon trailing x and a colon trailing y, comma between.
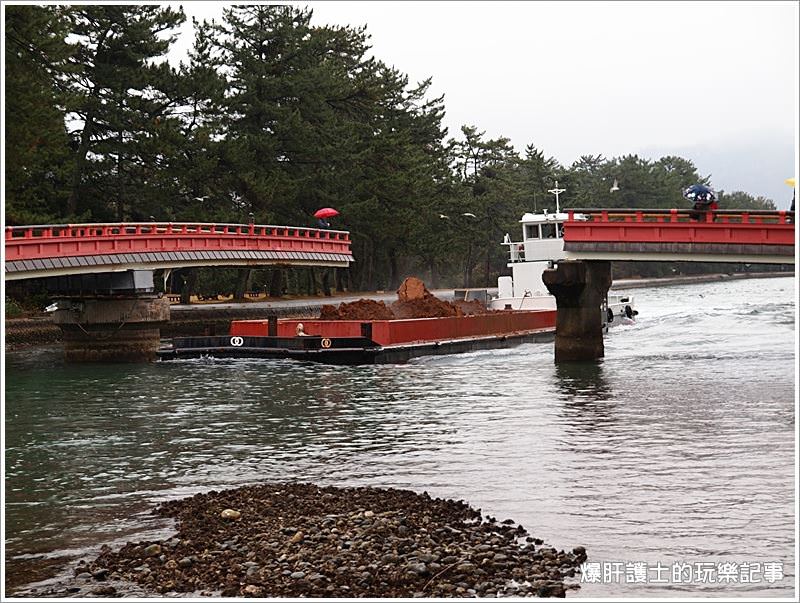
x: 110, y: 318
x: 579, y: 288
x: 123, y: 329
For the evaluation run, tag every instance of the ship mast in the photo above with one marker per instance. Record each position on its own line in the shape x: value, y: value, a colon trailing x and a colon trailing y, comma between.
x: 557, y: 191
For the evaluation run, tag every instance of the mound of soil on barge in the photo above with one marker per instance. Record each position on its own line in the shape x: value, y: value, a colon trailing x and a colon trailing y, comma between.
x: 413, y: 301
x: 363, y: 309
x: 301, y: 540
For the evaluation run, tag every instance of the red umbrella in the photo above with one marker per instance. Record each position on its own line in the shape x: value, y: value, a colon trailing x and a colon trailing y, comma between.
x: 326, y: 212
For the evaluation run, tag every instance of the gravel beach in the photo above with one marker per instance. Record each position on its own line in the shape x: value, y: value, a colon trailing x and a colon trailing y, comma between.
x: 303, y: 540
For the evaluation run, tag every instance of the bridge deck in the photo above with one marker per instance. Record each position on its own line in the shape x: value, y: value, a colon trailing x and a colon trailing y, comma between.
x: 680, y: 235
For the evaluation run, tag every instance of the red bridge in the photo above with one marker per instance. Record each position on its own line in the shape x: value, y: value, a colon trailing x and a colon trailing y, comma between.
x: 42, y: 251
x: 589, y: 234
x: 759, y: 237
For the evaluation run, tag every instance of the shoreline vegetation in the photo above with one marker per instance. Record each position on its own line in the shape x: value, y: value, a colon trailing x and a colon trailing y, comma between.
x: 314, y: 118
x: 37, y: 330
x: 304, y: 540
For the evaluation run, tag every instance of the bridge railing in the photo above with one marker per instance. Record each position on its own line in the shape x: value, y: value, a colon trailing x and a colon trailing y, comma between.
x: 169, y: 228
x: 742, y: 227
x: 732, y: 216
x: 60, y: 240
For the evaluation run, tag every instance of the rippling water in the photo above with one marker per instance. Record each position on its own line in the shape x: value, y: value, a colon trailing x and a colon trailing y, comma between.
x: 678, y: 446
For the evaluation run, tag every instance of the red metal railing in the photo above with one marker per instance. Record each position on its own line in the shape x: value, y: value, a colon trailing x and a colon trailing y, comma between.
x: 756, y: 227
x: 63, y: 240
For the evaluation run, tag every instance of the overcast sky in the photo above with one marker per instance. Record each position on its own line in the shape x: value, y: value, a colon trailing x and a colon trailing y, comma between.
x: 714, y: 82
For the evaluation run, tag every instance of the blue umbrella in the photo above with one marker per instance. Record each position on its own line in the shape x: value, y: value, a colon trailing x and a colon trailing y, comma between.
x: 698, y: 193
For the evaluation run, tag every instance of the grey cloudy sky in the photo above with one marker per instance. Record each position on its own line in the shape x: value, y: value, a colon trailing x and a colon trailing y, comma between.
x: 715, y: 82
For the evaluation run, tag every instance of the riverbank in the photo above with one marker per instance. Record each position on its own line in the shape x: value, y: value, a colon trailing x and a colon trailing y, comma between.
x: 303, y: 540
x: 214, y: 319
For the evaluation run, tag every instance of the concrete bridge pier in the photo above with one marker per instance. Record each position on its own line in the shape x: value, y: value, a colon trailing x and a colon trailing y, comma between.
x: 579, y: 288
x: 109, y: 317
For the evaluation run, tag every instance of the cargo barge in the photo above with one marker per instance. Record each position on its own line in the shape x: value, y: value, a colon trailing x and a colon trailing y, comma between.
x: 368, y: 341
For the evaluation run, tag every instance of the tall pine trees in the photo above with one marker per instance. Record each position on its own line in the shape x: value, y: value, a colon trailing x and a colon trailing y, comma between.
x: 37, y: 153
x: 118, y: 99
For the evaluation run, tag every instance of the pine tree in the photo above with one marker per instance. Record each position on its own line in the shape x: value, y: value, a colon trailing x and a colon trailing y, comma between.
x: 118, y: 102
x: 298, y: 98
x: 36, y: 143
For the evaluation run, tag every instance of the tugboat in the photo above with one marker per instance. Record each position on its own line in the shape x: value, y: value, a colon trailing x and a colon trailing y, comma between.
x: 541, y: 246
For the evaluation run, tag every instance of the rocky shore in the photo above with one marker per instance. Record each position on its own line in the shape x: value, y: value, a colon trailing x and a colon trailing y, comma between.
x: 303, y: 540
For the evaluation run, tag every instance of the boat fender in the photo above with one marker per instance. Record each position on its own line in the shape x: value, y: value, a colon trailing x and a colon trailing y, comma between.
x: 629, y: 312
x: 609, y: 315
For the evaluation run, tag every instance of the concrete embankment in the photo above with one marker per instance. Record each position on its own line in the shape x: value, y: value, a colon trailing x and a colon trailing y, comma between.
x: 39, y: 330
x: 214, y: 319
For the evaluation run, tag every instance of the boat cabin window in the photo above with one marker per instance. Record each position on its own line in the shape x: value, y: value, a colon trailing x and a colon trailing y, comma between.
x: 549, y: 231
x: 531, y: 231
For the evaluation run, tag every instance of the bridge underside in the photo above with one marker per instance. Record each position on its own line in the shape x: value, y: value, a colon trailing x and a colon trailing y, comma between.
x: 83, y: 264
x: 681, y: 252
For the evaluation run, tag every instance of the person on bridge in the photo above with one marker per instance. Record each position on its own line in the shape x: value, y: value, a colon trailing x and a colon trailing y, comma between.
x: 703, y: 198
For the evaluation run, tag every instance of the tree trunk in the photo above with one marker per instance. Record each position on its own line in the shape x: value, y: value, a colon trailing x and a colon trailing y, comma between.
x: 434, y: 275
x: 394, y: 273
x: 189, y: 285
x: 276, y: 283
x: 326, y: 282
x: 368, y: 267
x: 347, y: 279
x: 468, y: 267
x: 242, y: 283
x: 311, y: 282
x: 120, y: 213
x: 86, y: 136
x: 488, y: 266
x: 80, y: 162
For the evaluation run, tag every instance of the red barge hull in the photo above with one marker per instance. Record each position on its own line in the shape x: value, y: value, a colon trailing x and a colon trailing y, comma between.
x: 369, y: 341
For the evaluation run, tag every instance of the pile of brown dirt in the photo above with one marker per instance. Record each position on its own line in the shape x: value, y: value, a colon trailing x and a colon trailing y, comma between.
x: 472, y: 307
x: 412, y: 288
x: 413, y: 301
x: 426, y: 307
x: 363, y: 309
